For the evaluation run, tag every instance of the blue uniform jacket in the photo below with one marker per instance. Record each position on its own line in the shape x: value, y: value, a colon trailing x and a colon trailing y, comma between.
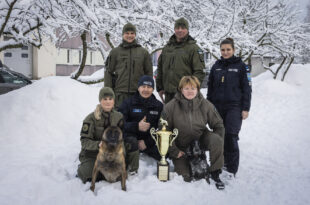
x: 134, y: 109
x: 230, y: 83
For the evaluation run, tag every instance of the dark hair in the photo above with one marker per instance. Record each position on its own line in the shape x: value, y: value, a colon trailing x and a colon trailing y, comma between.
x: 229, y: 41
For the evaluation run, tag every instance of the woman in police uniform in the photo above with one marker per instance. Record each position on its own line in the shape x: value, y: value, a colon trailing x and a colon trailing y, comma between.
x: 229, y: 89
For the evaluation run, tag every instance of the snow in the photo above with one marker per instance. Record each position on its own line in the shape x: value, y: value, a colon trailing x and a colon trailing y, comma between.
x: 99, y: 74
x: 39, y: 147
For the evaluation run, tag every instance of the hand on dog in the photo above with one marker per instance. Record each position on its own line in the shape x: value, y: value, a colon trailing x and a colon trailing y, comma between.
x: 143, y: 125
x: 141, y: 145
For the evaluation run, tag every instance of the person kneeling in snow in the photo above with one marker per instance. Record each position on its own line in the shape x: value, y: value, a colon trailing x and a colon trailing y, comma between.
x: 141, y: 113
x: 190, y: 112
x: 92, y: 130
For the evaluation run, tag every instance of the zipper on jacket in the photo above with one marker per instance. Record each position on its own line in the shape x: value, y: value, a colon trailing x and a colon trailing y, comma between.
x: 129, y: 69
x: 190, y: 116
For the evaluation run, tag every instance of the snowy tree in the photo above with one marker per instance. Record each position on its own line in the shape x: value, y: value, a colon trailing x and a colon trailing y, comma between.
x: 93, y: 20
x: 306, y: 51
x: 21, y: 22
x: 259, y: 27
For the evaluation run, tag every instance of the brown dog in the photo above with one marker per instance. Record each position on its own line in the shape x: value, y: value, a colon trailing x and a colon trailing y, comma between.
x: 110, y: 160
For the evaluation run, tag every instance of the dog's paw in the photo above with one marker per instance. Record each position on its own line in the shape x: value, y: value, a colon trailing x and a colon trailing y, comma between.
x: 92, y: 188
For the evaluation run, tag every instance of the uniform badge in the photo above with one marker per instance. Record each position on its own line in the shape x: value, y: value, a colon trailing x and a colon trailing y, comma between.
x: 154, y: 112
x: 85, y: 128
x: 136, y: 110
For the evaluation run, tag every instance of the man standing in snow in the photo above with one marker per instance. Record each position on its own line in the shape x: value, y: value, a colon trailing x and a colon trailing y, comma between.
x: 180, y: 57
x: 125, y: 65
x: 142, y: 112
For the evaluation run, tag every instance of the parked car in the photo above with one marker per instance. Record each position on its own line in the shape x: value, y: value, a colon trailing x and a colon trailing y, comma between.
x: 11, y: 80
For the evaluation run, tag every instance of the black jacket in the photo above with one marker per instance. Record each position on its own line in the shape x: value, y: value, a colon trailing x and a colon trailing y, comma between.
x: 230, y: 83
x: 134, y: 109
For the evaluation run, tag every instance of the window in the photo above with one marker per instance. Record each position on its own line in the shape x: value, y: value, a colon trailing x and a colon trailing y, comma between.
x: 24, y: 55
x: 25, y: 48
x: 8, y: 55
x: 68, y: 56
x: 9, y: 78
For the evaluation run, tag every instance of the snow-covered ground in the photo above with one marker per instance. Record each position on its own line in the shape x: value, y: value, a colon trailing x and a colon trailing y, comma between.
x: 39, y: 146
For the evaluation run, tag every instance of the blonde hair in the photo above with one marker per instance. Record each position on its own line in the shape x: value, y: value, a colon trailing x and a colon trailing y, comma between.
x: 189, y: 80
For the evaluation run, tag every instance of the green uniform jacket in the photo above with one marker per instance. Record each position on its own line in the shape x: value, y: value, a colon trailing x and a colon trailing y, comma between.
x: 190, y: 117
x: 125, y: 65
x: 178, y: 60
x: 93, y: 127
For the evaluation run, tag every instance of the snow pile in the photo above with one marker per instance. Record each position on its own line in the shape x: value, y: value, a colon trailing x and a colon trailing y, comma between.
x: 99, y: 74
x: 39, y: 146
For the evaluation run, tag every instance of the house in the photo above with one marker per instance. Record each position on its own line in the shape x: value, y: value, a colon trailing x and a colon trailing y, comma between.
x: 50, y: 61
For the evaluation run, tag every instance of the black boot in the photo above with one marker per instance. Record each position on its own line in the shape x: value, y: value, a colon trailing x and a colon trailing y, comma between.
x: 215, y: 175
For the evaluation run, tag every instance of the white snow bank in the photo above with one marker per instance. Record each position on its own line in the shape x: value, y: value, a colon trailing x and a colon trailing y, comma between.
x: 39, y: 146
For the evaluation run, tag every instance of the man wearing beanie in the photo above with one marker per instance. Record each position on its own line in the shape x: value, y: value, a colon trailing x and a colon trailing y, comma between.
x: 125, y: 65
x: 91, y: 133
x: 180, y: 57
x: 141, y: 113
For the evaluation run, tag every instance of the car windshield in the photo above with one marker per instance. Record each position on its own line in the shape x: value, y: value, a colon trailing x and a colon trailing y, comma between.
x: 6, y: 77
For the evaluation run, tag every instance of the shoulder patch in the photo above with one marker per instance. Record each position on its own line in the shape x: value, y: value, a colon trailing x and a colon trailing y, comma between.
x: 85, y: 128
x: 249, y: 77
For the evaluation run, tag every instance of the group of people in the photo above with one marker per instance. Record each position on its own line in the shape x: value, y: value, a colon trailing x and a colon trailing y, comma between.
x: 127, y: 101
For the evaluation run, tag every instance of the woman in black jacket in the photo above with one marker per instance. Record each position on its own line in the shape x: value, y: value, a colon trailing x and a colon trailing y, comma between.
x: 229, y: 89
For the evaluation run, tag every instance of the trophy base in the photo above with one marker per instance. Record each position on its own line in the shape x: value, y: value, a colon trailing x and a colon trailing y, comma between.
x: 163, y: 172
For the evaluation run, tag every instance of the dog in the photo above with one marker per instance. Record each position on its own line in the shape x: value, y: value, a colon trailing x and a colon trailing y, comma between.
x: 197, y: 161
x: 110, y: 161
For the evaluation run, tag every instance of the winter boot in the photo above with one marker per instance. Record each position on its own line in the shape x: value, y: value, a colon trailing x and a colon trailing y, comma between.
x: 215, y: 175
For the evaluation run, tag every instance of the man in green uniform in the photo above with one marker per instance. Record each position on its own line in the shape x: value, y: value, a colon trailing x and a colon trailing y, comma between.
x: 125, y: 65
x: 180, y: 57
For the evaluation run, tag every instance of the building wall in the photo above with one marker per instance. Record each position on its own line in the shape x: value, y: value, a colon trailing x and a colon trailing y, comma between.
x: 68, y: 61
x: 258, y: 65
x: 44, y: 61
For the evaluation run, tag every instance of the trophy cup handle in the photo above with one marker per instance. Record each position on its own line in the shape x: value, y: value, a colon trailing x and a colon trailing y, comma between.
x: 175, y: 134
x: 154, y: 136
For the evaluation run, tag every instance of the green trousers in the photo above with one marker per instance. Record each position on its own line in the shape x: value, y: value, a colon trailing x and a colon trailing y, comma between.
x: 209, y: 141
x: 85, y: 169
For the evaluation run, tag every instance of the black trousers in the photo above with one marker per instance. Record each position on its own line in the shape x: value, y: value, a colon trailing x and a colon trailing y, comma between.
x: 232, y: 122
x: 152, y: 152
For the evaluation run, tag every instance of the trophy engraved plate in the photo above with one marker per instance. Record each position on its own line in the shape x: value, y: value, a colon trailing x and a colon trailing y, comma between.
x: 163, y: 173
x: 163, y: 139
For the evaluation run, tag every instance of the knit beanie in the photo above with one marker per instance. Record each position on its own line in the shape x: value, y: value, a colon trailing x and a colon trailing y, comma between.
x: 181, y: 22
x: 106, y: 92
x: 129, y: 27
x: 146, y: 80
